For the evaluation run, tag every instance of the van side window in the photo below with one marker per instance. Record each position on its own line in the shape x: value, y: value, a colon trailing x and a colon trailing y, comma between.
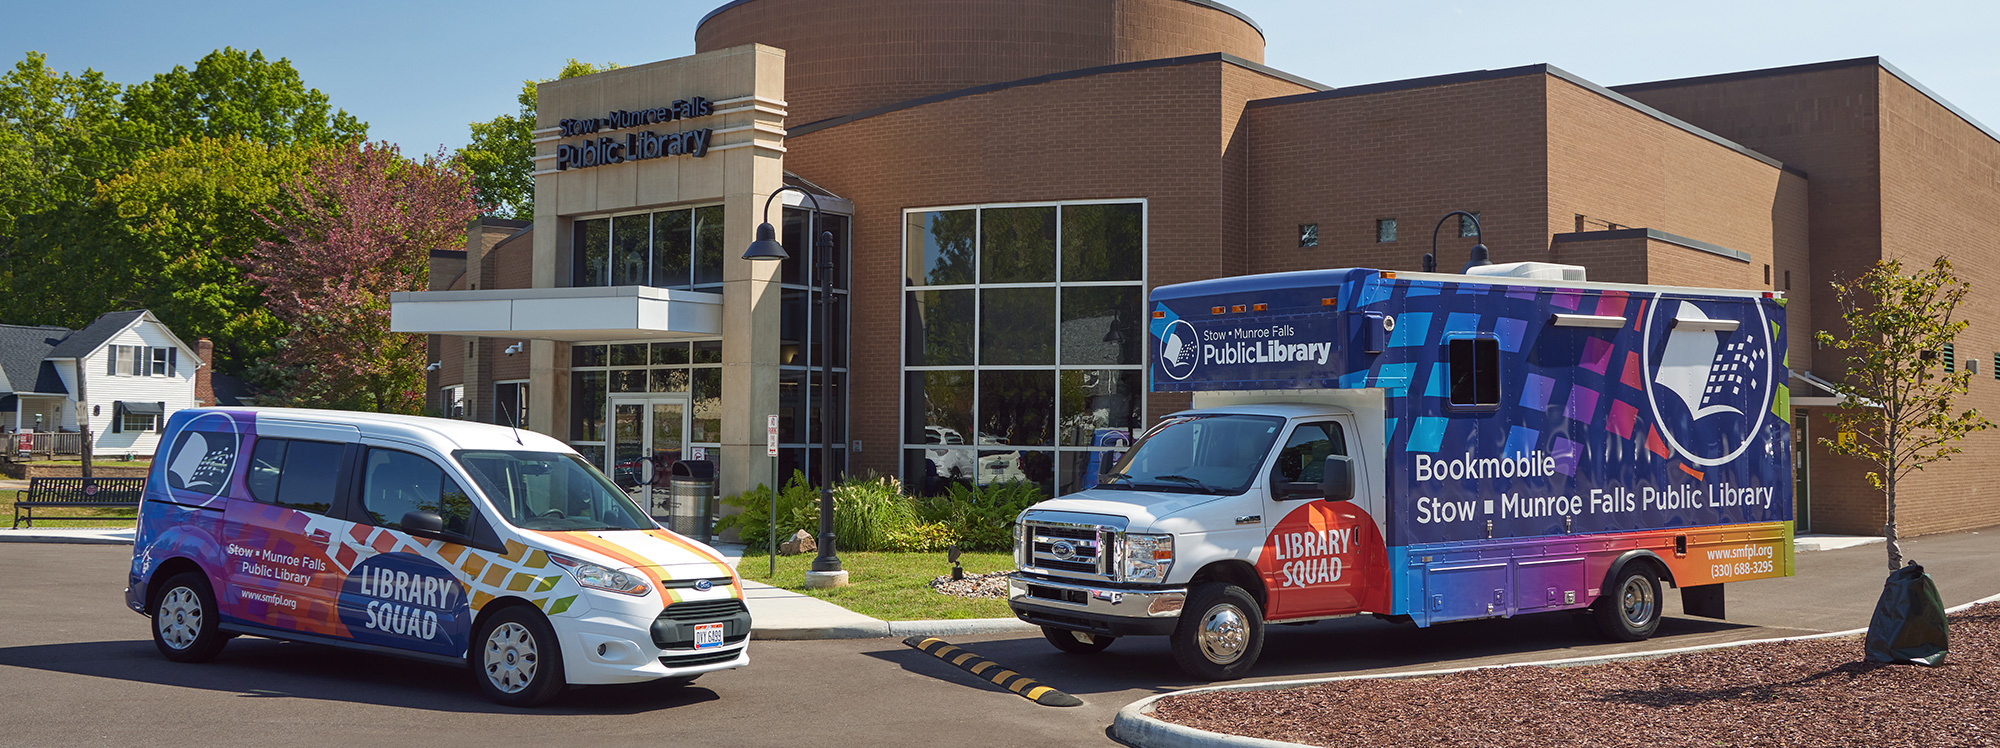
x: 1475, y: 371
x: 302, y: 475
x: 1303, y: 460
x: 398, y: 483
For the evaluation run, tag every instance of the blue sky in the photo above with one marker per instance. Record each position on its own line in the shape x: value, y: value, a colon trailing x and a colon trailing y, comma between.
x: 419, y: 71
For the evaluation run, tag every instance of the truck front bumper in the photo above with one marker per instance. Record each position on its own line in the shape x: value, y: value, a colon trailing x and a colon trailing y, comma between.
x: 1097, y: 610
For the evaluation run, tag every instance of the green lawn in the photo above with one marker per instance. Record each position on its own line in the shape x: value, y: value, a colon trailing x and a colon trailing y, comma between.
x: 890, y: 586
x: 113, y: 517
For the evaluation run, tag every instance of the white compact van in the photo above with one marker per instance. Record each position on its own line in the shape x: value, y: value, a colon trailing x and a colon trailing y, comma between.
x: 494, y: 548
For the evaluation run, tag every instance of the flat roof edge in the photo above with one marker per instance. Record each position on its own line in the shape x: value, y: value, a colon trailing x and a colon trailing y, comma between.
x: 1654, y: 234
x: 1814, y: 67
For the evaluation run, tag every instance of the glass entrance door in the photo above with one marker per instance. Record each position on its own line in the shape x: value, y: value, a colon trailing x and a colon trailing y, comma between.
x: 1802, y: 471
x: 648, y: 435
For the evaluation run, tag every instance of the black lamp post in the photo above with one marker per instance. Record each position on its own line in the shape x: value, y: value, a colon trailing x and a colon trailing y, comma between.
x: 1479, y: 254
x: 766, y: 247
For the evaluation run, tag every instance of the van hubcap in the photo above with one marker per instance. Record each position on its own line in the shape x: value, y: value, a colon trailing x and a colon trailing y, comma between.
x: 179, y: 617
x: 510, y: 657
x: 1223, y: 634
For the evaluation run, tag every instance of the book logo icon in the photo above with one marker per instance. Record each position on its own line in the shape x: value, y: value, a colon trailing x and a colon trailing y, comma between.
x: 1180, y: 350
x: 1711, y: 376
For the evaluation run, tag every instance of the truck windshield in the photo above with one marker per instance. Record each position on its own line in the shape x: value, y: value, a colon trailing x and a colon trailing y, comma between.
x: 1208, y: 454
x: 551, y: 491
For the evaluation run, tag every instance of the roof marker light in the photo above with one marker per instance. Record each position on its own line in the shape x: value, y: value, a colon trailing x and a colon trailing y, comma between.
x: 1258, y: 307
x: 1217, y: 310
x: 1237, y: 309
x: 1159, y: 315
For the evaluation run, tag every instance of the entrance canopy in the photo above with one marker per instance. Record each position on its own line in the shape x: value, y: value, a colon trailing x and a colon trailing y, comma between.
x: 571, y: 315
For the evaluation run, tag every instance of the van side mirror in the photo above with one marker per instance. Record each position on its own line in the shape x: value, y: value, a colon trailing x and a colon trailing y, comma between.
x: 423, y: 523
x: 1337, y: 482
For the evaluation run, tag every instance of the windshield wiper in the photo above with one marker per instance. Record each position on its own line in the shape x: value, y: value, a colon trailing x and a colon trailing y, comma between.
x: 1186, y: 480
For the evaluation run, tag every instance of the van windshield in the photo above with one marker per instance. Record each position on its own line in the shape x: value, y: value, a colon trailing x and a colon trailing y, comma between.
x: 1208, y: 454
x: 551, y: 491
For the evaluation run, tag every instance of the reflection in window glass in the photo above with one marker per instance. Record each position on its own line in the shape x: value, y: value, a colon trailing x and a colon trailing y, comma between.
x: 791, y: 405
x: 630, y: 237
x: 708, y: 250
x: 1303, y: 459
x: 940, y: 249
x: 1102, y: 242
x: 1017, y: 326
x: 1078, y: 470
x: 940, y: 407
x: 586, y: 406
x: 708, y: 351
x: 632, y: 380
x: 398, y: 483
x: 592, y: 251
x: 1017, y: 245
x: 838, y: 225
x: 586, y: 355
x: 670, y: 353
x: 939, y: 328
x: 1100, y: 407
x: 1100, y: 325
x: 707, y: 406
x: 838, y: 396
x: 311, y: 471
x: 668, y: 380
x: 551, y: 491
x: 672, y: 252
x: 628, y: 354
x: 1014, y: 408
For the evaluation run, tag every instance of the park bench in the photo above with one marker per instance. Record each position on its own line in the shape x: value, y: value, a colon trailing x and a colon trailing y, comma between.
x: 78, y: 492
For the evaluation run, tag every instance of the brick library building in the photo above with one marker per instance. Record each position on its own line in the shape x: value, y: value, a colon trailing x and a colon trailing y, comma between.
x: 1005, y: 180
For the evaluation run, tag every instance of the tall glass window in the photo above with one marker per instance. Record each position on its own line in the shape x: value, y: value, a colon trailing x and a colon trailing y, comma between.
x: 1023, y: 342
x: 679, y: 248
x: 684, y: 249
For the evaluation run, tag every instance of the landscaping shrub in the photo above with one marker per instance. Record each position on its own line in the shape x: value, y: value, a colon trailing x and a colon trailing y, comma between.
x: 873, y: 514
x: 980, y: 519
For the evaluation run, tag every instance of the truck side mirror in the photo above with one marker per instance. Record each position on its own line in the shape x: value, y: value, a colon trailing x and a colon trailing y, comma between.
x: 1337, y: 482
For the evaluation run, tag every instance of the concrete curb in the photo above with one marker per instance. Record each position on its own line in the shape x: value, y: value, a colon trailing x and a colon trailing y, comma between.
x: 1135, y: 725
x: 894, y: 629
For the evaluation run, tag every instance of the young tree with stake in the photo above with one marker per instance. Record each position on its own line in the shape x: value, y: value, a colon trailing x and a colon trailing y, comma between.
x: 1896, y: 409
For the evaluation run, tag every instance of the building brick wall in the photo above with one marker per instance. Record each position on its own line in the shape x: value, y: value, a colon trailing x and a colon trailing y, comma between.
x: 1157, y: 133
x: 845, y: 56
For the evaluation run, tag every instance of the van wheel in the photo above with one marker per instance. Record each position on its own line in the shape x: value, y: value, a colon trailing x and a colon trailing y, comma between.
x: 186, y: 626
x: 1221, y: 632
x: 516, y: 658
x: 1076, y: 642
x: 1630, y: 610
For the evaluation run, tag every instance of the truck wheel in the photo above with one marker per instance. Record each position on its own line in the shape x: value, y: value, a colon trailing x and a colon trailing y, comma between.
x: 186, y: 625
x: 1220, y: 634
x: 1630, y: 610
x: 516, y: 658
x: 1076, y: 642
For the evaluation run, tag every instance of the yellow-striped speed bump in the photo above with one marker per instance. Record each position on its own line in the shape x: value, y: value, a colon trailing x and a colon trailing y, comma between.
x: 1027, y: 687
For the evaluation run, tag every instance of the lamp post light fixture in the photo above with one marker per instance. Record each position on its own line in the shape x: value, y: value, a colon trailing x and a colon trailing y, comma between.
x: 766, y: 247
x: 1479, y: 253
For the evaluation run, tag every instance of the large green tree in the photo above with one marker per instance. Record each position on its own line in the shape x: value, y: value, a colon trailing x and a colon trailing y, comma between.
x: 501, y: 154
x: 115, y: 197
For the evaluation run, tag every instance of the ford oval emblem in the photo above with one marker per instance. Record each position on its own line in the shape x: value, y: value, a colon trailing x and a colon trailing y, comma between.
x: 702, y: 585
x: 1063, y: 550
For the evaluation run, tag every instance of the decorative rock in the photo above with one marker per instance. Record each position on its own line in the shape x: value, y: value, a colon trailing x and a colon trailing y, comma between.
x: 800, y: 543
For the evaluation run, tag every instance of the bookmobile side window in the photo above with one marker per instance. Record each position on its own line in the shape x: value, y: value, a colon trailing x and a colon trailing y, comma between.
x: 1475, y: 372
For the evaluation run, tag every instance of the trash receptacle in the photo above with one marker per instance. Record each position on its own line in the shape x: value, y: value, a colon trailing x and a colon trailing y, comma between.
x: 691, y: 502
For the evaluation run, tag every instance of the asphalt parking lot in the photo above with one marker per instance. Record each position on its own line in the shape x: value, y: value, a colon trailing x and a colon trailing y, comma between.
x: 77, y: 668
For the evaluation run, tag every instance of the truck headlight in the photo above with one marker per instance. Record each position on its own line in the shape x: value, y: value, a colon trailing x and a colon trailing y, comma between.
x: 1148, y: 558
x: 1020, y: 544
x: 602, y: 578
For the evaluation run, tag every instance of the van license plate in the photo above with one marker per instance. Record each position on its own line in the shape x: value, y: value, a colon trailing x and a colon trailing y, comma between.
x: 707, y: 635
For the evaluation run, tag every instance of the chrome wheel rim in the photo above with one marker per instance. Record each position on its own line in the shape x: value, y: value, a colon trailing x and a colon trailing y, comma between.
x: 1224, y: 632
x: 179, y: 618
x: 511, y: 658
x: 1637, y: 601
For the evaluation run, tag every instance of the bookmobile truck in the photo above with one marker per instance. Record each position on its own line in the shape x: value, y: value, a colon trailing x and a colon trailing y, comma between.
x: 1426, y: 448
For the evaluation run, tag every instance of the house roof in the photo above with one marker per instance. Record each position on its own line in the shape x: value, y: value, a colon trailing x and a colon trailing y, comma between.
x: 84, y: 341
x: 22, y: 350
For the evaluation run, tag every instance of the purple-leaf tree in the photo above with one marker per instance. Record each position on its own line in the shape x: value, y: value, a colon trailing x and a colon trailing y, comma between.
x: 356, y: 227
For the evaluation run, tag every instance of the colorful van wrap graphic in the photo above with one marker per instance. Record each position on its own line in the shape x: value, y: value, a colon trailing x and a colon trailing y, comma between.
x: 308, y: 572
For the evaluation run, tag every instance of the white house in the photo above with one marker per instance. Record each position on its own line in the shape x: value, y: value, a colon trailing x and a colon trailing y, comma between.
x: 135, y: 373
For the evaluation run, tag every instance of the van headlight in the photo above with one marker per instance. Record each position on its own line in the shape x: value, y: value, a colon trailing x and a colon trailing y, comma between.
x: 602, y: 578
x: 1148, y: 558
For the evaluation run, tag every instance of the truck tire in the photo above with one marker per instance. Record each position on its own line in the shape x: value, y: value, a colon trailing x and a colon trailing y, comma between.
x: 1220, y: 634
x: 186, y: 624
x: 1629, y: 610
x: 516, y: 658
x: 1076, y: 642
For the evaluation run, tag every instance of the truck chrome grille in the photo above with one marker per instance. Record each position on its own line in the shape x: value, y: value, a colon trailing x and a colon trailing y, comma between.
x: 1071, y: 550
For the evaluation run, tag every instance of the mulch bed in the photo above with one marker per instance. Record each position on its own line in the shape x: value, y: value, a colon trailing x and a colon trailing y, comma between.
x: 1804, y: 693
